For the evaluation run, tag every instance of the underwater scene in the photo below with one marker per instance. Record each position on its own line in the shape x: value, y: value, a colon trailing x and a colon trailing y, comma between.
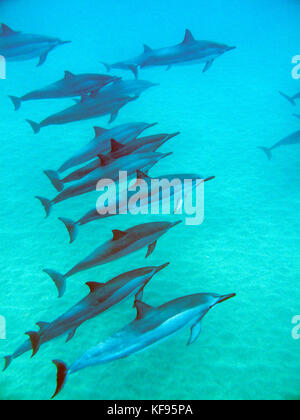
x: 159, y: 129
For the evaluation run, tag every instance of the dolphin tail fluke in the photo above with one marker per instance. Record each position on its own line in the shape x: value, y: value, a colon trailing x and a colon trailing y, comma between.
x: 35, y: 340
x: 72, y: 228
x: 16, y: 101
x: 62, y: 375
x: 291, y: 100
x: 59, y: 280
x: 107, y: 66
x: 267, y: 151
x: 55, y: 181
x: 35, y: 126
x: 8, y: 360
x: 47, y: 204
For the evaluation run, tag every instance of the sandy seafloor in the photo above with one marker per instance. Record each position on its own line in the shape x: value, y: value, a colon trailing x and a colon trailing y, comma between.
x: 249, y: 243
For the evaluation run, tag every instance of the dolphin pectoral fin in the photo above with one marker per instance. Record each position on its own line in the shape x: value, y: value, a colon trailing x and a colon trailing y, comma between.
x: 93, y: 286
x: 35, y: 340
x: 62, y: 375
x: 291, y: 100
x: 169, y: 68
x: 195, y: 332
x: 208, y: 66
x: 134, y: 69
x: 139, y: 296
x: 142, y: 309
x: 151, y: 249
x: 113, y: 117
x: 8, y: 360
x: 42, y: 325
x: 59, y: 280
x: 99, y: 131
x: 43, y: 58
x: 71, y: 335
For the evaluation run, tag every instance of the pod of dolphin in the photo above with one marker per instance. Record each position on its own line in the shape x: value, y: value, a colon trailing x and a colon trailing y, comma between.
x: 112, y: 150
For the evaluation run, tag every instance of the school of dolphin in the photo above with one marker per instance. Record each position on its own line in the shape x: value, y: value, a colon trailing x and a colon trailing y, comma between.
x: 112, y: 150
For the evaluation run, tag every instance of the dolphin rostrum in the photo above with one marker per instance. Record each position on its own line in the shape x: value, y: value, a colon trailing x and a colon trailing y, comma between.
x: 70, y: 86
x: 287, y: 141
x: 123, y: 204
x: 108, y: 169
x: 151, y: 326
x: 118, y: 150
x: 88, y: 108
x: 101, y: 298
x: 16, y: 46
x: 101, y: 143
x: 190, y: 51
x: 291, y: 99
x: 122, y: 244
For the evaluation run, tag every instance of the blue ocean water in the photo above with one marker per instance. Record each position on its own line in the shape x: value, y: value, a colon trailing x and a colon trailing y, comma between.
x: 249, y: 242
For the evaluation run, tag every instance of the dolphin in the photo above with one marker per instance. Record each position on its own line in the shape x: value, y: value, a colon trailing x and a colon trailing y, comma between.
x: 101, y: 143
x: 102, y: 297
x: 190, y: 51
x: 16, y: 46
x: 71, y: 85
x: 109, y: 169
x: 123, y: 88
x: 122, y: 204
x: 118, y: 150
x: 291, y: 99
x: 122, y: 244
x: 88, y: 108
x: 152, y: 325
x: 287, y: 141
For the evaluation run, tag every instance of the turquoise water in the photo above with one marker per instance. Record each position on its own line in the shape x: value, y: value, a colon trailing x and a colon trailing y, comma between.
x: 249, y: 242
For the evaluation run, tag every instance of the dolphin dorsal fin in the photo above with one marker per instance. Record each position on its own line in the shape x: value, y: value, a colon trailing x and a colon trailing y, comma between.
x: 142, y: 309
x: 116, y: 146
x: 105, y: 160
x: 69, y: 75
x: 147, y: 49
x: 188, y: 37
x: 7, y: 31
x: 94, y: 286
x: 42, y: 325
x: 99, y: 131
x: 118, y: 234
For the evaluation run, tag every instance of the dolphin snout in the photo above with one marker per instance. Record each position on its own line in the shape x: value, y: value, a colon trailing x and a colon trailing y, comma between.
x: 65, y: 42
x: 226, y: 297
x: 162, y: 267
x: 176, y: 223
x: 231, y: 48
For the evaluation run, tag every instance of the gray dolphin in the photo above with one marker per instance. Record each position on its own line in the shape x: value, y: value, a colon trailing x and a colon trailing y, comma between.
x: 287, y: 141
x: 122, y: 205
x: 291, y: 99
x: 71, y: 85
x: 101, y: 143
x: 190, y: 51
x: 16, y: 46
x: 152, y: 325
x: 88, y: 108
x: 102, y: 297
x: 109, y: 169
x: 122, y: 244
x: 118, y: 150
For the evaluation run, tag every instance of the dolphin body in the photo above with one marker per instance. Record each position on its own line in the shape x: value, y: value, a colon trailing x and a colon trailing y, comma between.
x: 88, y: 108
x: 70, y: 86
x: 122, y: 205
x: 101, y: 143
x: 118, y: 150
x: 287, y: 141
x: 16, y: 46
x: 108, y: 170
x: 124, y: 88
x: 291, y: 99
x: 151, y: 326
x: 102, y: 297
x: 122, y: 244
x: 190, y: 51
